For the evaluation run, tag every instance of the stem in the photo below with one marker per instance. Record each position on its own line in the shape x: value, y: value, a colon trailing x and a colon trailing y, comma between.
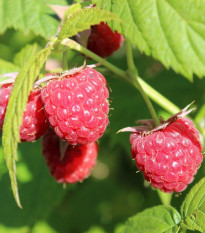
x: 65, y: 60
x: 74, y: 45
x: 159, y: 98
x: 164, y: 197
x: 132, y: 70
x: 151, y: 92
x: 143, y: 87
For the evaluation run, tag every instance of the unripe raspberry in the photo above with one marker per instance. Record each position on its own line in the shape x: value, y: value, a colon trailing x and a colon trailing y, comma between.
x: 168, y: 157
x: 77, y: 106
x: 103, y: 41
x: 34, y: 122
x: 67, y: 163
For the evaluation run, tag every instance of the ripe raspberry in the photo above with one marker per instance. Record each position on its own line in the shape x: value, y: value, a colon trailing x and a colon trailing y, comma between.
x: 103, y: 41
x: 77, y: 106
x: 34, y: 122
x: 67, y: 163
x: 170, y: 157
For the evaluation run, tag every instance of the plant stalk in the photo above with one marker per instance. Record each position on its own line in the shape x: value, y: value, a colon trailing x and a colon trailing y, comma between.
x: 65, y: 60
x: 133, y: 73
x: 151, y: 92
x: 164, y: 197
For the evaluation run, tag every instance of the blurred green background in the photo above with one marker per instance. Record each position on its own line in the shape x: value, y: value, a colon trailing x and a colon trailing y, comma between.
x: 114, y: 191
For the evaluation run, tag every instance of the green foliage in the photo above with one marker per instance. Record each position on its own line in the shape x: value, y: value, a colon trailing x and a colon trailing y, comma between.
x: 24, y: 55
x: 7, y: 67
x: 28, y: 15
x: 158, y: 219
x: 82, y: 19
x: 170, y: 31
x: 14, y: 114
x: 40, y: 193
x: 193, y: 208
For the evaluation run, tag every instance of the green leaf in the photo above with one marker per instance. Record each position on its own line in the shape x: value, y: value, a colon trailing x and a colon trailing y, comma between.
x: 28, y: 15
x: 14, y: 114
x: 73, y: 8
x: 82, y: 19
x: 23, y: 56
x: 6, y: 67
x: 193, y: 208
x: 173, y: 32
x: 158, y: 219
x: 40, y: 193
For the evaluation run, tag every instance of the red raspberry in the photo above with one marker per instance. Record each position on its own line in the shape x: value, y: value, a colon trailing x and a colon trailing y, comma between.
x: 169, y: 158
x: 34, y: 122
x: 77, y: 106
x: 67, y: 163
x: 103, y: 41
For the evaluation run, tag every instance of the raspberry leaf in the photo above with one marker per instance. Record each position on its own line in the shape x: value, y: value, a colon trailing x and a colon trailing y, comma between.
x: 170, y: 31
x: 14, y: 114
x: 29, y: 15
x: 193, y: 208
x: 6, y: 66
x: 82, y: 19
x: 158, y: 219
x: 24, y: 54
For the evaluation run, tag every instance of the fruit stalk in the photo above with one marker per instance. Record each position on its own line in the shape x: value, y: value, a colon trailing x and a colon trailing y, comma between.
x: 164, y: 197
x: 133, y: 73
x: 151, y: 92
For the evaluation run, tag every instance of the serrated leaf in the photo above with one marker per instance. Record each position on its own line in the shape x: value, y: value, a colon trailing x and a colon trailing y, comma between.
x: 193, y: 208
x: 158, y: 219
x: 64, y: 11
x: 23, y: 56
x: 6, y: 67
x: 14, y: 114
x: 171, y: 31
x: 82, y: 19
x: 27, y: 15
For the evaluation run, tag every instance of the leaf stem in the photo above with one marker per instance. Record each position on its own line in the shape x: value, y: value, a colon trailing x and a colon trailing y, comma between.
x: 133, y: 73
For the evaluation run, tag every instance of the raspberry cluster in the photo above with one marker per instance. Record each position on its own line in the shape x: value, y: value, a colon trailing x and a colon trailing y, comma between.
x: 169, y: 157
x: 75, y: 104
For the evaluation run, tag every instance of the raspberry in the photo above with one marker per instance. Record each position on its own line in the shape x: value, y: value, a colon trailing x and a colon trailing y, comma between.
x: 34, y: 122
x: 170, y: 157
x: 77, y: 106
x: 103, y: 41
x: 72, y: 163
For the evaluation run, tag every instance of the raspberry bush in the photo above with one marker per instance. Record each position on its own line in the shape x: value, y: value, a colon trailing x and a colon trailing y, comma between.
x: 72, y: 75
